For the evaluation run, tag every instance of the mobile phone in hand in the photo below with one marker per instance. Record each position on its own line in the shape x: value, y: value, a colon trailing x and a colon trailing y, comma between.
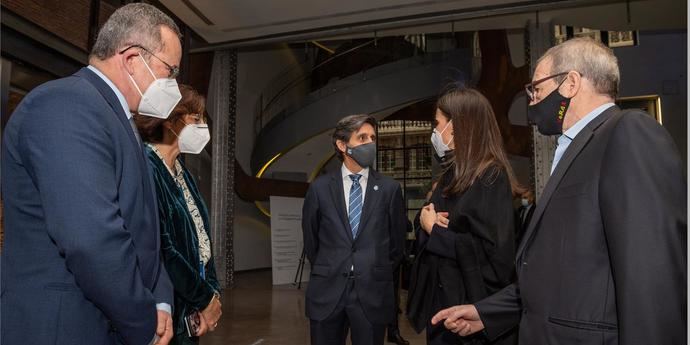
x: 192, y: 323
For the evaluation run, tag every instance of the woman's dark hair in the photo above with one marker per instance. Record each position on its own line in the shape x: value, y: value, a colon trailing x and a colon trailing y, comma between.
x: 151, y: 128
x: 477, y: 139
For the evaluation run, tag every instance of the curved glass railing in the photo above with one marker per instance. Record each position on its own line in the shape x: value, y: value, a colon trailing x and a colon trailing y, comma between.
x: 293, y: 85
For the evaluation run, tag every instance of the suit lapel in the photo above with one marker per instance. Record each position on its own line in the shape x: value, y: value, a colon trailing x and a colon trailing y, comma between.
x: 112, y: 100
x: 371, y: 198
x: 110, y: 97
x: 569, y: 156
x: 338, y: 195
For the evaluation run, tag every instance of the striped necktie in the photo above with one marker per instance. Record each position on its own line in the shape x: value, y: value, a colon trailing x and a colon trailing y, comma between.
x: 355, y: 202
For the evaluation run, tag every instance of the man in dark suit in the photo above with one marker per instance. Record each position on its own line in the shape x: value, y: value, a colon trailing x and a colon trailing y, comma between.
x: 81, y: 258
x: 603, y: 260
x: 353, y: 223
x: 524, y: 215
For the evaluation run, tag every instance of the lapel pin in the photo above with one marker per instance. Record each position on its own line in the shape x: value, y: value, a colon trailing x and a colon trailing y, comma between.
x: 376, y: 187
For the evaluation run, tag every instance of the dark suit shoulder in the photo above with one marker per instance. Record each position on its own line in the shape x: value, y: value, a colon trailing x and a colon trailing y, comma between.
x: 387, y: 181
x: 636, y: 128
x: 321, y: 180
x: 70, y: 89
x: 636, y: 119
x: 66, y: 100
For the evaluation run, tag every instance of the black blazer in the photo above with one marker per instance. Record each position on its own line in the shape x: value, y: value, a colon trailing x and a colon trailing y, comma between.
x: 473, y: 258
x: 331, y: 250
x: 603, y: 260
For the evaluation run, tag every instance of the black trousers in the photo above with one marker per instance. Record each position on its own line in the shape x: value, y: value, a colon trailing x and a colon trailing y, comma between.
x: 348, y: 314
x: 393, y: 327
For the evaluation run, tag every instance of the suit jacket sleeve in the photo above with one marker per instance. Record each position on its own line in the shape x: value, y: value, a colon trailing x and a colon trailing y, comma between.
x: 310, y: 223
x: 164, y: 291
x: 70, y: 157
x: 398, y: 222
x: 643, y: 205
x: 500, y: 312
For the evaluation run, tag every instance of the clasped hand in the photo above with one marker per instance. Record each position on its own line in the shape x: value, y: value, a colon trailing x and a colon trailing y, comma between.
x: 209, y: 316
x: 429, y: 217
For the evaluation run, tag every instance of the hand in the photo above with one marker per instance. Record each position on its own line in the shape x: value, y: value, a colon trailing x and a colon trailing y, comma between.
x: 212, y: 313
x: 461, y: 319
x: 442, y: 219
x: 164, y: 329
x: 427, y: 218
x: 203, y: 326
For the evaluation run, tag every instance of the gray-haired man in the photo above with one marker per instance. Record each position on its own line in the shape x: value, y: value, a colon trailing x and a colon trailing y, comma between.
x: 81, y: 259
x: 603, y: 259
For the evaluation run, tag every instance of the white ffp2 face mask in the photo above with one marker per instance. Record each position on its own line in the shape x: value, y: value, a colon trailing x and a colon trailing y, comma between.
x: 437, y: 141
x: 160, y: 98
x: 193, y: 138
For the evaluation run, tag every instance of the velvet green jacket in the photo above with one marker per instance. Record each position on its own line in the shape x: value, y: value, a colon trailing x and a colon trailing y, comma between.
x: 180, y: 247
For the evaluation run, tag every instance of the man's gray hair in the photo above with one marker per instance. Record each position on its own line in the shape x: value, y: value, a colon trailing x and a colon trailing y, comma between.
x: 135, y: 23
x: 594, y: 61
x: 347, y: 126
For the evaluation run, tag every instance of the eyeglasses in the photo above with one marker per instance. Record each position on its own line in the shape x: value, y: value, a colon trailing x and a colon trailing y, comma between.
x: 197, y: 118
x: 531, y: 88
x: 173, y: 71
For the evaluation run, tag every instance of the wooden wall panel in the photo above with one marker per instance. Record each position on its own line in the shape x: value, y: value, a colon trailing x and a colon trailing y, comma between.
x: 106, y: 10
x: 68, y: 20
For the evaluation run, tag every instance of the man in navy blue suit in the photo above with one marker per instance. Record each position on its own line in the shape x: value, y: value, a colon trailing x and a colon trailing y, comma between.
x: 354, y: 231
x: 81, y: 258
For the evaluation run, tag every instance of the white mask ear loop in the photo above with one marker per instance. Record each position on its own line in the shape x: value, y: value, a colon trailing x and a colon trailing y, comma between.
x: 147, y: 67
x: 444, y: 129
x: 185, y: 125
x: 135, y: 83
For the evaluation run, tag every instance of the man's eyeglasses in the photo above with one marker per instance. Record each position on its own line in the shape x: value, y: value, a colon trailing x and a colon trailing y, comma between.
x: 173, y: 71
x: 531, y: 88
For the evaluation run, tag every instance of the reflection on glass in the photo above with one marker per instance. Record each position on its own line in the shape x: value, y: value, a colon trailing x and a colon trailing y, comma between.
x: 404, y: 153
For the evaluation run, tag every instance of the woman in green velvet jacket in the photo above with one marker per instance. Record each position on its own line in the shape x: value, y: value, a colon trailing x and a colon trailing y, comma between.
x: 185, y: 236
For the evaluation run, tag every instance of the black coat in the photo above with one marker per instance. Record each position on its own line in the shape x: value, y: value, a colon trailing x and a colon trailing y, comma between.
x: 470, y: 260
x: 375, y: 253
x: 603, y: 260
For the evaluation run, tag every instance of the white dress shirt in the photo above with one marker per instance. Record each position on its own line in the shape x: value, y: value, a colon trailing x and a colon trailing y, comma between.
x: 568, y: 136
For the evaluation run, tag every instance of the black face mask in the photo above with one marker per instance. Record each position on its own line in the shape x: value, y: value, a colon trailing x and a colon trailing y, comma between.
x: 548, y: 114
x: 364, y: 154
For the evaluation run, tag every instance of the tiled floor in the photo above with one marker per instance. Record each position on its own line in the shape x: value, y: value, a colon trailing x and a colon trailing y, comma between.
x: 256, y: 312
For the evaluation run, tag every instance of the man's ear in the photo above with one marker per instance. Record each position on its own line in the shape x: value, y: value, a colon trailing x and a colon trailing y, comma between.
x: 572, y: 85
x: 128, y: 58
x: 341, y: 145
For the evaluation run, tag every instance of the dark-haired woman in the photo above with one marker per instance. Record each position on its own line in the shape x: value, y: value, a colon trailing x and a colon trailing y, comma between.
x: 185, y: 236
x: 467, y: 237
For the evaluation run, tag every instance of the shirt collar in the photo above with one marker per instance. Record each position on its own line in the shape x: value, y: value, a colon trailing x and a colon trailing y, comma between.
x: 572, y: 132
x: 119, y: 94
x: 346, y: 173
